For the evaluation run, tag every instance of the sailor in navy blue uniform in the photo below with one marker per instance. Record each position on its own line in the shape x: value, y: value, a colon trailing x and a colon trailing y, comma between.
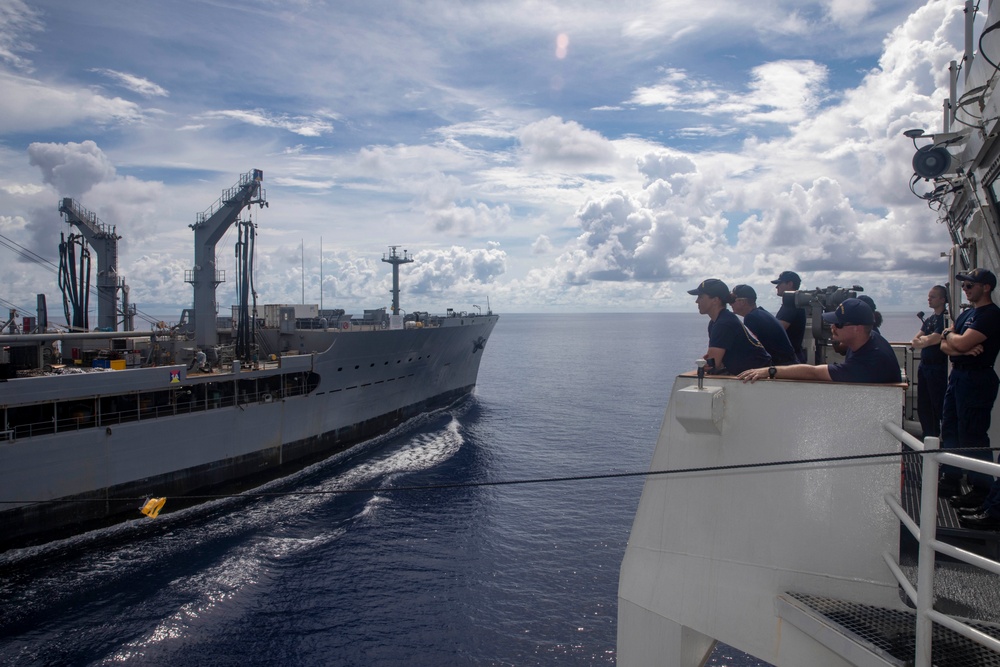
x: 732, y: 348
x: 972, y: 344
x: 932, y: 374
x: 878, y: 316
x: 763, y: 325
x: 869, y: 357
x: 792, y: 318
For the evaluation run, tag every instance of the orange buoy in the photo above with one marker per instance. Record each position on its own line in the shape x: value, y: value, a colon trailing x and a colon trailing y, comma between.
x: 153, y: 507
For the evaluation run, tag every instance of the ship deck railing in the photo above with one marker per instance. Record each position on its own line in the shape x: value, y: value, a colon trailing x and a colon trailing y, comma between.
x: 939, y: 577
x: 227, y: 391
x: 926, y: 534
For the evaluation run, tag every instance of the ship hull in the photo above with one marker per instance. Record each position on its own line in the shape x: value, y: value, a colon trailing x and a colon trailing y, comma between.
x: 360, y: 385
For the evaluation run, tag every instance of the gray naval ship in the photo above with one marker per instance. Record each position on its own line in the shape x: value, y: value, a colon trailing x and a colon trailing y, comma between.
x: 91, y: 421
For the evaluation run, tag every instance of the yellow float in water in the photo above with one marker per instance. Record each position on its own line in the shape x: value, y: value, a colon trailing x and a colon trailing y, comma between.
x: 153, y: 507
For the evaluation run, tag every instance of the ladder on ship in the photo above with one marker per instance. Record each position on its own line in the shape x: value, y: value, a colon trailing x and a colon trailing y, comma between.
x: 262, y: 345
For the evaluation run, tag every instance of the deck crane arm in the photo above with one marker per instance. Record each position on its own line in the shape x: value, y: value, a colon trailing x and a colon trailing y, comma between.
x: 209, y: 228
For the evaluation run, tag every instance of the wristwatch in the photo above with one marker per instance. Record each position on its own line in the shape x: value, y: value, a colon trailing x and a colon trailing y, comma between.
x: 771, y: 372
x: 944, y: 336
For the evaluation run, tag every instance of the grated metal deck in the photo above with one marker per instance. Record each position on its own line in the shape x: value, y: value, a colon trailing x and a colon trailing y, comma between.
x: 883, y: 636
x: 889, y: 634
x: 948, y: 525
x: 959, y: 589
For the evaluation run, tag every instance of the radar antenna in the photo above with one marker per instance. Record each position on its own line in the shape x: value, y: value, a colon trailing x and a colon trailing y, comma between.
x: 396, y: 259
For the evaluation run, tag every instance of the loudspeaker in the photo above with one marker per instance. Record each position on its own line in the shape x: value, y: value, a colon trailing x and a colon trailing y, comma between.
x: 930, y: 162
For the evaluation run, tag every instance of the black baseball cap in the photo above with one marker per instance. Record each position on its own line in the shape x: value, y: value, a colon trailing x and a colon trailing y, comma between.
x: 982, y: 276
x: 745, y: 292
x: 867, y: 299
x: 851, y: 311
x: 788, y: 276
x: 712, y: 287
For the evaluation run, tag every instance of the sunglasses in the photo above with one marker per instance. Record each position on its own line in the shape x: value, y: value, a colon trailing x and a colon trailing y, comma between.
x: 968, y: 285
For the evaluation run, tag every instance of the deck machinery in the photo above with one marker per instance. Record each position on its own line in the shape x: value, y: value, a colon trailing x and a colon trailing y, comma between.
x: 103, y: 239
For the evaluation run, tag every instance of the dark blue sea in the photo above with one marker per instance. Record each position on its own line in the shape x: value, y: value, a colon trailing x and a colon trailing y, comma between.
x: 522, y: 574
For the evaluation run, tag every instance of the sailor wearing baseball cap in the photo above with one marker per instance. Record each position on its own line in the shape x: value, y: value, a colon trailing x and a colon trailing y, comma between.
x: 732, y: 348
x: 764, y: 325
x: 792, y: 319
x: 869, y: 357
x: 980, y: 276
x: 871, y: 304
x: 972, y: 345
x: 711, y: 287
x: 788, y: 277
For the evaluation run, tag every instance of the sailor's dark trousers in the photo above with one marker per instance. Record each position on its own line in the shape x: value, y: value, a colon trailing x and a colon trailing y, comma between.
x: 932, y: 382
x: 992, y: 503
x: 965, y: 420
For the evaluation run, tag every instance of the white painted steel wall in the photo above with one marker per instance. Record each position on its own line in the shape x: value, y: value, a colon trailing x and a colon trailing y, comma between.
x: 709, y: 552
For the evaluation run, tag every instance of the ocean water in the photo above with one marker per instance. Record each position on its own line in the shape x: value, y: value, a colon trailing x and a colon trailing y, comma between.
x: 492, y: 574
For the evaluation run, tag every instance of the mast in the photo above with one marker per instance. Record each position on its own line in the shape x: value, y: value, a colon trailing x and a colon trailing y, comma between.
x: 209, y: 228
x: 396, y: 259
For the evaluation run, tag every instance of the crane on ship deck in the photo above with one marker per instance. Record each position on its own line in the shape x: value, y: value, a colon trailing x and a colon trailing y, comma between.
x: 209, y: 228
x: 104, y: 241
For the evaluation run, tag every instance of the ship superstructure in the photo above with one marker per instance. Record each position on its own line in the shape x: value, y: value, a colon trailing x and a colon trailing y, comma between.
x: 799, y: 521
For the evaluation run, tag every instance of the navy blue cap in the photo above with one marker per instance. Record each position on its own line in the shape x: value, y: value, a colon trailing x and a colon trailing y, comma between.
x: 745, y: 292
x: 851, y: 311
x: 788, y: 276
x: 712, y: 287
x: 867, y: 299
x: 982, y: 276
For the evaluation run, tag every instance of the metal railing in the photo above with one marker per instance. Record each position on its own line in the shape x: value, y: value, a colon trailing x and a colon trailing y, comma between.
x: 183, y: 402
x: 229, y: 194
x: 926, y: 535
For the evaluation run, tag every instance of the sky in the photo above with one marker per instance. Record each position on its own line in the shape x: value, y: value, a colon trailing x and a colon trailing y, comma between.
x: 536, y: 156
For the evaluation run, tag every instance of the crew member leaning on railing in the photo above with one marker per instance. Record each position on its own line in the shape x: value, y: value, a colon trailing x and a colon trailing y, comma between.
x: 732, y: 347
x: 869, y: 358
x: 764, y: 325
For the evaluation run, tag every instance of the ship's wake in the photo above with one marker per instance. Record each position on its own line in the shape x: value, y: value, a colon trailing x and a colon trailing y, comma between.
x: 251, y: 537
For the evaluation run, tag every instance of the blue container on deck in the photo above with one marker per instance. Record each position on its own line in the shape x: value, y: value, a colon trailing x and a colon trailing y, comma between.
x: 102, y: 363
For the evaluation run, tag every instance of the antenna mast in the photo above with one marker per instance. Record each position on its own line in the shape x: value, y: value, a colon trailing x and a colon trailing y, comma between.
x: 396, y: 259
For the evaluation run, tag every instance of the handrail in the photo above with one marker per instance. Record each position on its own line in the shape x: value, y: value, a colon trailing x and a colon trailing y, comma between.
x: 294, y: 383
x: 926, y: 535
x: 969, y: 464
x: 227, y: 196
x: 904, y: 437
x: 965, y: 630
x: 901, y: 579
